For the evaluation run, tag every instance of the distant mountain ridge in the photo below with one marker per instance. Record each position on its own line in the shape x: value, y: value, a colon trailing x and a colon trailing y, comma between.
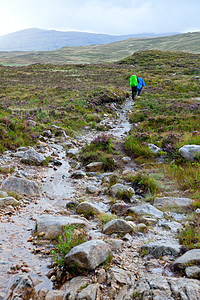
x: 34, y: 39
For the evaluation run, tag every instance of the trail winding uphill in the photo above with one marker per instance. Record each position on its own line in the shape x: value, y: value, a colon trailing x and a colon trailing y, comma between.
x: 143, y: 250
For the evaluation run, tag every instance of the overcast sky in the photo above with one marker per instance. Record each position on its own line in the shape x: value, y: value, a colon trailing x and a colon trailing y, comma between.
x: 101, y: 16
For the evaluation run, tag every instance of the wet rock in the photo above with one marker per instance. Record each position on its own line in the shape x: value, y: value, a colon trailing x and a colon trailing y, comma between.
x: 161, y: 249
x: 20, y: 186
x: 189, y: 151
x: 154, y: 149
x: 117, y: 226
x: 191, y: 257
x: 78, y: 174
x: 91, y: 189
x: 22, y: 288
x: 193, y: 272
x: 72, y: 287
x: 120, y: 208
x: 172, y: 202
x: 94, y: 167
x: 145, y: 209
x: 88, y: 255
x: 166, y: 288
x: 87, y: 208
x: 8, y: 201
x: 52, y: 226
x: 31, y: 157
x: 117, y: 188
x: 89, y: 293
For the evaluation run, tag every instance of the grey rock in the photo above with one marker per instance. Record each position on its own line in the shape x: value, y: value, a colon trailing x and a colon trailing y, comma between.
x: 192, y: 272
x: 146, y: 209
x: 52, y: 226
x: 78, y: 174
x: 32, y: 157
x: 88, y: 255
x: 3, y: 194
x: 154, y: 149
x: 8, y: 201
x: 119, y: 276
x: 158, y: 287
x: 118, y: 187
x: 91, y: 189
x: 170, y: 225
x: 120, y: 208
x: 73, y: 286
x: 126, y: 159
x: 189, y: 151
x: 47, y: 133
x: 20, y: 186
x: 89, y: 293
x: 87, y: 208
x: 55, y: 295
x: 115, y: 244
x: 117, y: 226
x: 172, y: 202
x: 161, y: 249
x: 22, y: 287
x: 94, y: 167
x: 72, y: 152
x: 191, y: 257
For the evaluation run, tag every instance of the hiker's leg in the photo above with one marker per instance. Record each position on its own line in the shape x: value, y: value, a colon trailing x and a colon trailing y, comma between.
x: 133, y: 92
x: 139, y: 91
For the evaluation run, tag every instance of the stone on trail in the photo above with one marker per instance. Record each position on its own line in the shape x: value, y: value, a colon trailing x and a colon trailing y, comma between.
x: 189, y: 151
x: 152, y: 286
x: 87, y: 208
x: 118, y: 187
x: 145, y: 209
x: 73, y: 287
x: 8, y: 201
x: 94, y: 167
x: 192, y: 272
x: 191, y: 257
x: 117, y: 226
x: 90, y: 292
x: 172, y: 202
x: 52, y: 226
x: 3, y: 194
x: 20, y: 186
x: 55, y: 295
x: 32, y: 157
x: 78, y: 174
x: 22, y: 287
x: 161, y: 249
x: 120, y: 208
x: 88, y: 255
x: 91, y: 189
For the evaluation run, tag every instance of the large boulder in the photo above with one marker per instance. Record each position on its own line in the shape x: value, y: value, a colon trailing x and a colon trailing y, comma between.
x: 191, y: 257
x: 88, y: 255
x: 20, y: 186
x: 94, y: 167
x: 31, y: 157
x: 52, y: 226
x: 120, y: 208
x: 87, y: 208
x: 145, y: 209
x: 117, y: 226
x: 161, y: 249
x: 22, y: 287
x: 189, y: 151
x: 118, y: 188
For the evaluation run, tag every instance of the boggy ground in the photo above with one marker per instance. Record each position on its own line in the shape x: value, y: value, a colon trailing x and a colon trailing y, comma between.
x: 25, y: 91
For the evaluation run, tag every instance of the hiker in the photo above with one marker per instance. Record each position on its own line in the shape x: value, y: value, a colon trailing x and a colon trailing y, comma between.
x: 133, y: 84
x: 140, y: 85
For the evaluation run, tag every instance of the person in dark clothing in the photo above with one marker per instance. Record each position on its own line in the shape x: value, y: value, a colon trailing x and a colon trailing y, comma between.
x: 140, y: 85
x: 133, y: 84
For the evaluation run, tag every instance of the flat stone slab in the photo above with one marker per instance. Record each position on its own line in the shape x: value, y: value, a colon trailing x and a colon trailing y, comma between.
x: 88, y: 255
x: 52, y: 226
x: 146, y: 209
x: 20, y: 186
x: 161, y: 249
x: 191, y: 257
x: 164, y: 202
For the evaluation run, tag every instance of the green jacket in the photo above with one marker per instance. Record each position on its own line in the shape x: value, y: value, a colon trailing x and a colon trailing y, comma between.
x: 133, y: 80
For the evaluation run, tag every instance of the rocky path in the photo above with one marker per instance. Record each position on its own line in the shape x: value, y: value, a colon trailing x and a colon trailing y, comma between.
x: 130, y: 274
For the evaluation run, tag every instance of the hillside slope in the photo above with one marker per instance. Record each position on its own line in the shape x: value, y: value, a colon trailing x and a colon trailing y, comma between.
x: 34, y: 39
x: 188, y: 42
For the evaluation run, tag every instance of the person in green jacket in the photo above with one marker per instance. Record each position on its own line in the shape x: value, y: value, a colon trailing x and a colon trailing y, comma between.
x: 133, y: 84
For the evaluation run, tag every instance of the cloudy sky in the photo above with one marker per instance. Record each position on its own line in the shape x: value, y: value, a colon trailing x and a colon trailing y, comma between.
x: 101, y: 16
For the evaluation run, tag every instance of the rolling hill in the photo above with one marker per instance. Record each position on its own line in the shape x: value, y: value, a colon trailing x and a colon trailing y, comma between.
x: 113, y: 52
x: 34, y: 39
